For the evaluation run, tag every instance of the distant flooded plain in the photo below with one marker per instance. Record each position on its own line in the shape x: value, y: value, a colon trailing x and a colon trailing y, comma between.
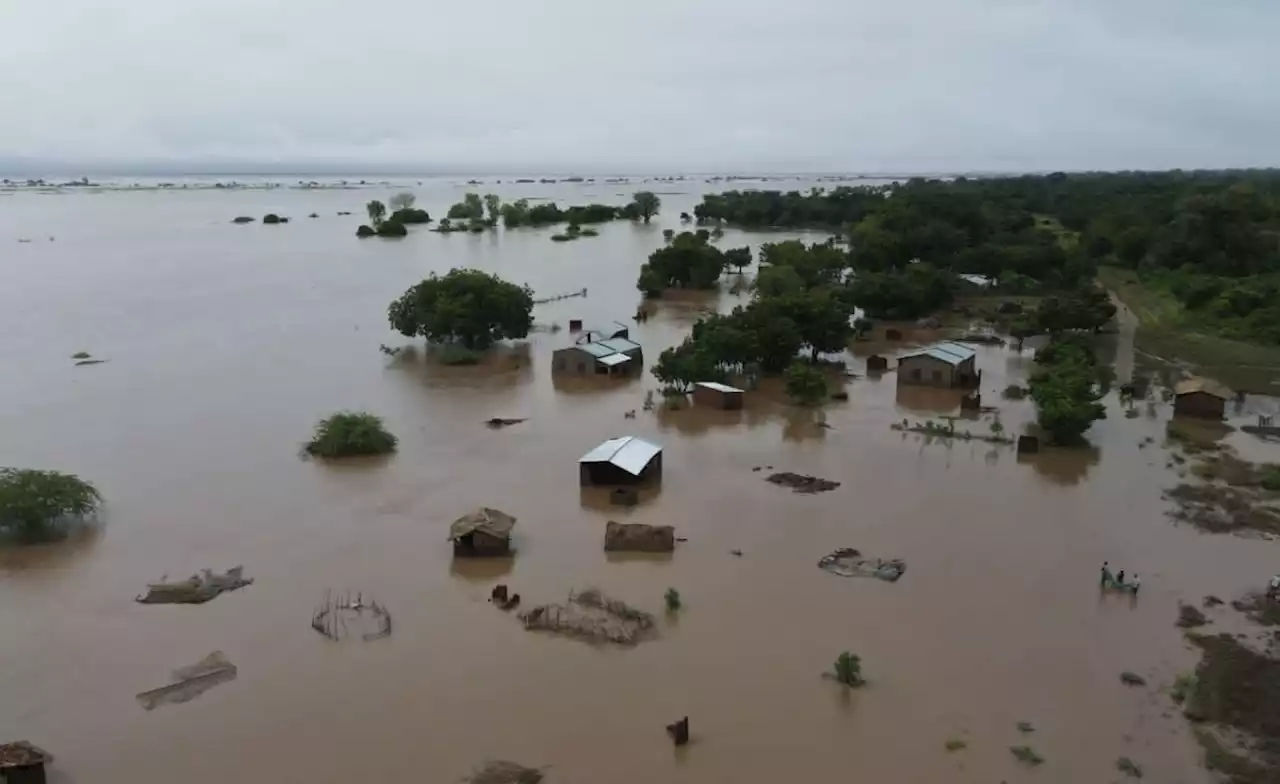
x: 225, y: 343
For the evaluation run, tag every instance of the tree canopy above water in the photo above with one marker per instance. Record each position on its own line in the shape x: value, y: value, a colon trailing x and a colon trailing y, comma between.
x: 466, y: 306
x: 34, y: 504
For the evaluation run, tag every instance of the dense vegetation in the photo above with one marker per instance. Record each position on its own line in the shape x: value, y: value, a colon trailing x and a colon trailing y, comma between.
x: 466, y: 307
x: 805, y: 384
x: 1066, y: 386
x: 396, y: 225
x: 1211, y: 240
x: 689, y: 261
x: 802, y: 303
x: 35, y: 505
x: 350, y: 434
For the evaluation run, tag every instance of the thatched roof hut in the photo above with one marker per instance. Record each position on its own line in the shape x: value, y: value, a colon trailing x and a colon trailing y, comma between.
x: 482, y: 532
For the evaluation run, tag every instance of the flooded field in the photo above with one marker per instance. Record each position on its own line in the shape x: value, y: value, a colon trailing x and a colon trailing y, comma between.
x: 225, y: 343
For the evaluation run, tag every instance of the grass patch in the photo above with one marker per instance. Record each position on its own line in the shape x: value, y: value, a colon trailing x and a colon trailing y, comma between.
x: 1026, y: 755
x: 1167, y: 331
x: 672, y: 598
x: 1129, y: 768
x: 1234, y: 695
x: 956, y: 744
x: 350, y: 434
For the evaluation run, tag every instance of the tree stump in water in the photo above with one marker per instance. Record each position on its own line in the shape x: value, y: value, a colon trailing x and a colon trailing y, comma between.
x: 679, y: 731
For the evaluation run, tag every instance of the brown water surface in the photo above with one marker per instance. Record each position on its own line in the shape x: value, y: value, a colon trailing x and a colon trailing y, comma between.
x: 225, y: 343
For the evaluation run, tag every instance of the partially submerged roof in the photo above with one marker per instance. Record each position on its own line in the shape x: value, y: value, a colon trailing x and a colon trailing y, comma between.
x: 629, y: 453
x: 619, y: 344
x: 717, y: 386
x: 597, y: 350
x: 1201, y: 384
x: 614, y: 359
x: 949, y: 351
x: 492, y: 522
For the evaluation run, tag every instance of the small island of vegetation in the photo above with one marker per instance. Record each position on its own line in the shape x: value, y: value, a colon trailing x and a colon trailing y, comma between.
x: 350, y: 434
x: 466, y: 310
x: 38, y: 506
x: 396, y: 225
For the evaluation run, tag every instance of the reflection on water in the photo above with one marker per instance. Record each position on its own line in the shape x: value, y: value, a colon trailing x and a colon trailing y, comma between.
x: 601, y: 499
x: 1062, y: 465
x: 931, y: 400
x: 483, y: 570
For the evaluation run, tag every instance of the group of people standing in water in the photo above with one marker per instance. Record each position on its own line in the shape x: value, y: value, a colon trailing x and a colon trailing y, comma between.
x: 1117, y: 580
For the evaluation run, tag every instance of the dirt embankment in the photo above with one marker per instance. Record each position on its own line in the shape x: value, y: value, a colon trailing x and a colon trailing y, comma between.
x: 1223, y: 494
x: 1233, y: 703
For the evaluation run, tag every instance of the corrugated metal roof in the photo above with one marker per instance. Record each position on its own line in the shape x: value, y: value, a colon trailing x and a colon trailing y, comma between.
x: 620, y: 344
x: 949, y: 352
x: 1206, y: 385
x: 717, y: 386
x: 597, y: 350
x: 629, y: 453
x: 614, y: 359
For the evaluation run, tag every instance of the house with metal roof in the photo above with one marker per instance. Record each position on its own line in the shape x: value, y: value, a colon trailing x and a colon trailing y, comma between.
x: 606, y: 331
x: 947, y: 364
x: 1201, y: 397
x: 713, y: 394
x: 626, y: 460
x: 612, y: 357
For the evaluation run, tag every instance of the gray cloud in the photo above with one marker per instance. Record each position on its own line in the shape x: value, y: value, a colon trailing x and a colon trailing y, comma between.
x: 668, y: 84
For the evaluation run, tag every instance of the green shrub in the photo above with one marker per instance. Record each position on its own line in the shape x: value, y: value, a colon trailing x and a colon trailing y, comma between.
x: 806, y: 384
x: 672, y: 598
x: 410, y: 216
x: 365, y: 230
x: 348, y: 433
x: 848, y: 669
x: 36, y: 505
x: 392, y: 228
x: 563, y: 237
x: 589, y: 233
x: 271, y: 218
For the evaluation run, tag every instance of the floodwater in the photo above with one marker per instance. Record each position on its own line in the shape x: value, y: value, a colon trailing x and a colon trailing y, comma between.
x: 225, y: 343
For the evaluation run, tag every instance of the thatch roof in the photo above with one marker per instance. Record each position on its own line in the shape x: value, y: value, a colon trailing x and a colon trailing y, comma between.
x: 492, y: 522
x: 1206, y: 385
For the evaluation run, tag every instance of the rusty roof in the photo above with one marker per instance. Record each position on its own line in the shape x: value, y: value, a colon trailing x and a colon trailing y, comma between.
x: 1201, y: 384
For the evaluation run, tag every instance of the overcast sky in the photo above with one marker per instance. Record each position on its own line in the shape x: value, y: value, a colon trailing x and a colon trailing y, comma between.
x: 659, y: 85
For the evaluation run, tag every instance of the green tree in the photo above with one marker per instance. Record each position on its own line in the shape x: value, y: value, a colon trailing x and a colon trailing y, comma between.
x: 680, y: 367
x: 848, y: 669
x: 806, y: 384
x: 35, y: 505
x: 515, y: 213
x: 350, y: 434
x: 470, y: 208
x: 688, y: 262
x: 647, y: 203
x: 377, y: 211
x: 465, y: 306
x: 493, y: 206
x: 737, y: 257
x: 1065, y: 389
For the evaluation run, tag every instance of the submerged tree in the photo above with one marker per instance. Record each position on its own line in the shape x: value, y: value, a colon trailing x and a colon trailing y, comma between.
x: 806, y: 384
x: 377, y: 211
x: 493, y: 206
x: 350, y: 434
x: 35, y: 505
x: 465, y: 306
x: 848, y: 669
x: 402, y: 201
x: 1066, y: 389
x: 647, y: 204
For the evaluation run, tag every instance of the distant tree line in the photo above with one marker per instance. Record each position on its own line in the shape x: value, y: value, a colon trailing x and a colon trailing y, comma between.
x: 1211, y: 240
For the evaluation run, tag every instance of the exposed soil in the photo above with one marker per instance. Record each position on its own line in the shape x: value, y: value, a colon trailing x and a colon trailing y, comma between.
x: 801, y: 483
x: 1218, y: 508
x: 1234, y: 700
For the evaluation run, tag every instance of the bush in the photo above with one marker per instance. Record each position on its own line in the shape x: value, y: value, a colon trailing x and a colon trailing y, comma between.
x: 391, y: 228
x: 365, y: 231
x: 589, y: 233
x: 242, y: 219
x: 271, y: 218
x: 34, y: 505
x: 806, y: 384
x: 347, y: 434
x: 410, y: 216
x: 562, y: 237
x: 848, y: 669
x: 672, y: 597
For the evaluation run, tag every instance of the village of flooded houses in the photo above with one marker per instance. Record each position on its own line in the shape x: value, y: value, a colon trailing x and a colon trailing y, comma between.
x: 558, y: 567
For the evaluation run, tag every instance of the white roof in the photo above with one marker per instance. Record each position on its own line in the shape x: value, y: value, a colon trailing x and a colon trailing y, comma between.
x: 717, y: 386
x: 614, y: 359
x: 949, y: 352
x: 977, y: 280
x: 629, y: 453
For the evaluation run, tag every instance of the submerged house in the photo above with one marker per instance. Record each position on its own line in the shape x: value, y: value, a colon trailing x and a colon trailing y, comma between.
x: 1201, y: 397
x: 612, y: 357
x: 947, y: 364
x: 621, y: 461
x: 607, y: 331
x: 484, y: 532
x: 713, y: 394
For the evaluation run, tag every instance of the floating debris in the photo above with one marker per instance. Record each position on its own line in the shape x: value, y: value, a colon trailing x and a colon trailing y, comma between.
x: 196, y: 589
x: 21, y: 754
x: 1026, y: 755
x: 848, y: 562
x: 802, y: 483
x: 1129, y: 767
x: 90, y: 362
x: 1132, y: 679
x: 1189, y: 617
x: 1025, y: 727
x: 497, y: 422
x: 679, y: 731
x: 191, y: 681
x: 339, y: 617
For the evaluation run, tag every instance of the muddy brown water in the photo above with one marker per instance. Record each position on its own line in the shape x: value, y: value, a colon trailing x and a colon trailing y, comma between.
x: 225, y: 343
